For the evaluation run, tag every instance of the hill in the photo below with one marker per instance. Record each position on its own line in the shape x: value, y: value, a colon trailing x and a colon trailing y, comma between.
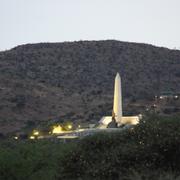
x: 74, y: 80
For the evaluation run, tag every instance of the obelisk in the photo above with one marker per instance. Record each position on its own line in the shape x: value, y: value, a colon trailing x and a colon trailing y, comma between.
x: 117, y: 106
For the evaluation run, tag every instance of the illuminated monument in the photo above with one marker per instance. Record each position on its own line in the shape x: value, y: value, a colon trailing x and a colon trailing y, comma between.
x: 117, y: 114
x: 117, y: 106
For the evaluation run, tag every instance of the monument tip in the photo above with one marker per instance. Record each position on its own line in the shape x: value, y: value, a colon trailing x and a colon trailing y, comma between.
x: 117, y: 75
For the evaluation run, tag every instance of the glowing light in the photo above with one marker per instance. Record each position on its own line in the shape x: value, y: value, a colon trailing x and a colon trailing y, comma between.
x: 57, y: 129
x: 79, y: 130
x: 69, y: 126
x: 36, y: 133
x: 176, y: 97
x: 32, y: 137
x: 16, y: 137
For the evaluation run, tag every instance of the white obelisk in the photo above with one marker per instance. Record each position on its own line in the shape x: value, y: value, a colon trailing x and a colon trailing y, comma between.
x: 117, y: 107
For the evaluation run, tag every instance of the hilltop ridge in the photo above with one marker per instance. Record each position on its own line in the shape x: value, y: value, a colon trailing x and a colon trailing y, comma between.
x: 75, y: 80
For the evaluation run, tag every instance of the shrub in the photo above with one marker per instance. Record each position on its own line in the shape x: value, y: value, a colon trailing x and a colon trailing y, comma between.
x: 152, y: 144
x: 150, y: 150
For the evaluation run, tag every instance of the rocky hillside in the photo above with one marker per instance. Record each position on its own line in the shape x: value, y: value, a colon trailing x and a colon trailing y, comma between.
x: 74, y: 81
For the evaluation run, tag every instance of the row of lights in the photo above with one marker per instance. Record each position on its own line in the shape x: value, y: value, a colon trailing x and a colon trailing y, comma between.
x: 57, y: 129
x: 164, y: 97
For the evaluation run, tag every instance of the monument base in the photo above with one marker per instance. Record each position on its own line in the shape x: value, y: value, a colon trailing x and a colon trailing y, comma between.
x: 131, y: 120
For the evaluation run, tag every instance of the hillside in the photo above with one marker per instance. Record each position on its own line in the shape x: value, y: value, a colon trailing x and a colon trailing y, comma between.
x: 74, y: 81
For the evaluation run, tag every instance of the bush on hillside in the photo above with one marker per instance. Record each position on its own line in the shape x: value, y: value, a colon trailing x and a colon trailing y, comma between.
x: 153, y: 144
x: 150, y: 150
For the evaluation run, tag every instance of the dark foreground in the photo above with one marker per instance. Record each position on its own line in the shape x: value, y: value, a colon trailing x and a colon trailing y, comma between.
x: 149, y: 151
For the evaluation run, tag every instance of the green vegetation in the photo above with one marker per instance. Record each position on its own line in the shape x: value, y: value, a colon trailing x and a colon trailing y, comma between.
x: 151, y: 150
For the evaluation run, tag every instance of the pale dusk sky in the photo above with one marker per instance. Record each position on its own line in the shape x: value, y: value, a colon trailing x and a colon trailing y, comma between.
x: 154, y: 22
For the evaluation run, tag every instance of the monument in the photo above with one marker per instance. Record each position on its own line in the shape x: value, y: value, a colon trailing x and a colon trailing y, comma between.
x: 117, y: 106
x: 117, y: 114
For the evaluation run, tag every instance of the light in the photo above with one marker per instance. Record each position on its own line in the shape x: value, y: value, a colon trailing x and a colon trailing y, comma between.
x: 79, y: 126
x: 161, y: 97
x: 57, y: 129
x: 79, y: 130
x: 36, y: 133
x: 16, y: 137
x: 69, y: 126
x: 32, y: 137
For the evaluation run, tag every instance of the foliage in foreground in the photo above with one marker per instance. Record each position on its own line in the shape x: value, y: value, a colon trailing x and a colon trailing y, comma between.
x: 150, y: 150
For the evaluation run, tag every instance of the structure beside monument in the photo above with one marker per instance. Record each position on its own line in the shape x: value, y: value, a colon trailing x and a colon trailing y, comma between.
x: 117, y: 114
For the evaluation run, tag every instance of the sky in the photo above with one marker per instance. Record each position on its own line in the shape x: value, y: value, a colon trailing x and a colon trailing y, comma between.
x: 154, y: 22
